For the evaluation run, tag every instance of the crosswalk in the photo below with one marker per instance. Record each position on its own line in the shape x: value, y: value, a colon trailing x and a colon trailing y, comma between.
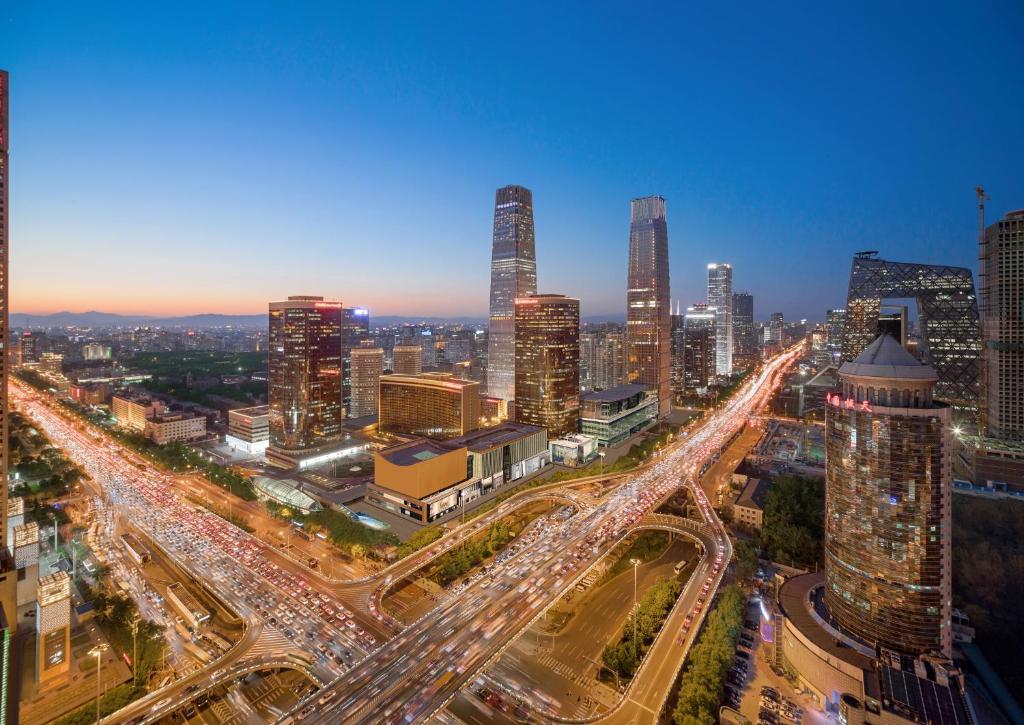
x: 563, y: 669
x: 271, y: 642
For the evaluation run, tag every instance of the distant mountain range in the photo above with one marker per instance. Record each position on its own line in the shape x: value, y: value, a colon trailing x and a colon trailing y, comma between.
x: 109, y: 319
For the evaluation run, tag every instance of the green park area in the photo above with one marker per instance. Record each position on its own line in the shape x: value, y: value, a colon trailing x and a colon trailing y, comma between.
x: 647, y: 546
x: 794, y: 518
x: 347, y: 534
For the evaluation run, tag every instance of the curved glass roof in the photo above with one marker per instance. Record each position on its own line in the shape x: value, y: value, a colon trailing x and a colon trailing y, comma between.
x: 285, y: 493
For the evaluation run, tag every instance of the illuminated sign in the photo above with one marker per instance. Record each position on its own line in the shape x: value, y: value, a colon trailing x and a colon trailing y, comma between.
x: 360, y: 311
x: 328, y: 305
x: 836, y: 401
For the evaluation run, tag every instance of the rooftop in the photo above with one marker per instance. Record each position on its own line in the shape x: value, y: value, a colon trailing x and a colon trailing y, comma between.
x: 753, y: 494
x: 285, y: 492
x: 910, y: 688
x: 886, y: 358
x: 253, y: 412
x: 416, y: 451
x: 484, y: 439
x: 796, y: 603
x: 434, y: 380
x: 612, y: 395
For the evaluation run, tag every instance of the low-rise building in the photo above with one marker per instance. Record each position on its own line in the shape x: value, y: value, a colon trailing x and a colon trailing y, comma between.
x: 748, y: 508
x: 613, y: 415
x: 426, y: 479
x: 89, y: 393
x: 175, y: 427
x: 249, y: 429
x: 133, y: 411
x: 573, y: 450
x: 286, y: 493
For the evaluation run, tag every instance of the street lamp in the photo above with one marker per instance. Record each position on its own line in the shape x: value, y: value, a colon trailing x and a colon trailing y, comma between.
x: 636, y: 566
x: 601, y: 455
x: 97, y: 652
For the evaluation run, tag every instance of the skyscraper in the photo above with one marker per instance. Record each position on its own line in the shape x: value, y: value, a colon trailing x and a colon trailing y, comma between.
x: 367, y: 367
x: 513, y: 275
x: 834, y: 321
x: 547, y: 354
x: 947, y: 313
x: 720, y: 297
x: 355, y: 327
x: 648, y: 311
x: 1001, y: 305
x: 888, y: 502
x: 700, y: 325
x: 745, y: 350
x: 305, y: 374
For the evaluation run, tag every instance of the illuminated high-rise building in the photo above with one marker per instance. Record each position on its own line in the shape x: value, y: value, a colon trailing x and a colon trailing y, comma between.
x: 678, y: 350
x: 513, y: 275
x: 1001, y: 305
x: 367, y: 368
x: 745, y: 350
x: 406, y: 359
x: 720, y: 297
x: 305, y: 374
x: 648, y: 310
x: 53, y: 627
x: 548, y: 363
x: 947, y: 313
x: 700, y: 325
x: 888, y: 502
x: 435, y: 405
x: 355, y: 327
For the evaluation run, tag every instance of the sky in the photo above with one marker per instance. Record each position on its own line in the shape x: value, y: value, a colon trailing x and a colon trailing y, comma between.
x: 188, y: 157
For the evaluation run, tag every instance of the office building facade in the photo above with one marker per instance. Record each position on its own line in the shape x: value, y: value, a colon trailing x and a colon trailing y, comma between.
x: 700, y: 349
x: 947, y: 313
x: 1001, y: 307
x: 249, y: 429
x: 434, y: 405
x: 720, y: 297
x: 613, y: 416
x: 547, y: 391
x: 678, y: 348
x: 648, y: 308
x: 305, y: 383
x: 888, y: 502
x: 355, y: 327
x: 513, y: 275
x: 745, y: 349
x: 7, y: 575
x: 367, y: 369
x: 407, y: 359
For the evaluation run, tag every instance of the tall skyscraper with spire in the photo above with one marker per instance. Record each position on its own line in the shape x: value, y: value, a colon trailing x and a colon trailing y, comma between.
x: 513, y: 275
x: 720, y: 297
x: 648, y: 309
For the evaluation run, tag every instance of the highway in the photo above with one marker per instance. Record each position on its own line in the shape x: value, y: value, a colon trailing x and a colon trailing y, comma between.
x: 424, y: 665
x: 416, y: 673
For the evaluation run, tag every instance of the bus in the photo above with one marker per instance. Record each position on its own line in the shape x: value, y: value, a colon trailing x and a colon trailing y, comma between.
x: 679, y: 567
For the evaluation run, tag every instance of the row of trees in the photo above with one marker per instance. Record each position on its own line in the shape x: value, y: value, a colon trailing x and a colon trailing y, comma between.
x: 464, y: 557
x: 642, y: 627
x: 647, y: 546
x: 423, y: 537
x: 701, y: 690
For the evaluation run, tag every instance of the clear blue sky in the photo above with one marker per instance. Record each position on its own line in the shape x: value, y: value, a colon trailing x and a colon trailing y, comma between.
x: 179, y: 157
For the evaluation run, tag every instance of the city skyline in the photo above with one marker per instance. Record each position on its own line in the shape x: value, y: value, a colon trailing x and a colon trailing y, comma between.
x: 788, y: 188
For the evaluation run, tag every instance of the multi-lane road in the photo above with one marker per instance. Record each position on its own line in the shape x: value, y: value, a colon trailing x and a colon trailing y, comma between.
x: 421, y: 667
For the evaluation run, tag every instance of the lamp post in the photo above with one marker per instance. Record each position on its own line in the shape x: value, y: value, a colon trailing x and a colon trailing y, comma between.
x: 97, y: 652
x: 135, y: 651
x: 636, y: 566
x: 601, y: 455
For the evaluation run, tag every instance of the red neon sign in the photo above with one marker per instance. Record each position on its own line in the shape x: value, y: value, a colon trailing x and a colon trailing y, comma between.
x: 835, y: 400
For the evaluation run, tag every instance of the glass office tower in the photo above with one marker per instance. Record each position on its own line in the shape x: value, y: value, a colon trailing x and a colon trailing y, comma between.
x: 305, y: 373
x: 947, y: 314
x: 720, y: 297
x: 888, y: 502
x: 355, y: 327
x: 699, y: 347
x: 513, y: 275
x: 648, y: 309
x: 745, y: 350
x: 547, y: 391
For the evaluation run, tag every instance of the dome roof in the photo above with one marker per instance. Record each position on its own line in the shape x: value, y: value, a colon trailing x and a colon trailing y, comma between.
x: 886, y: 358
